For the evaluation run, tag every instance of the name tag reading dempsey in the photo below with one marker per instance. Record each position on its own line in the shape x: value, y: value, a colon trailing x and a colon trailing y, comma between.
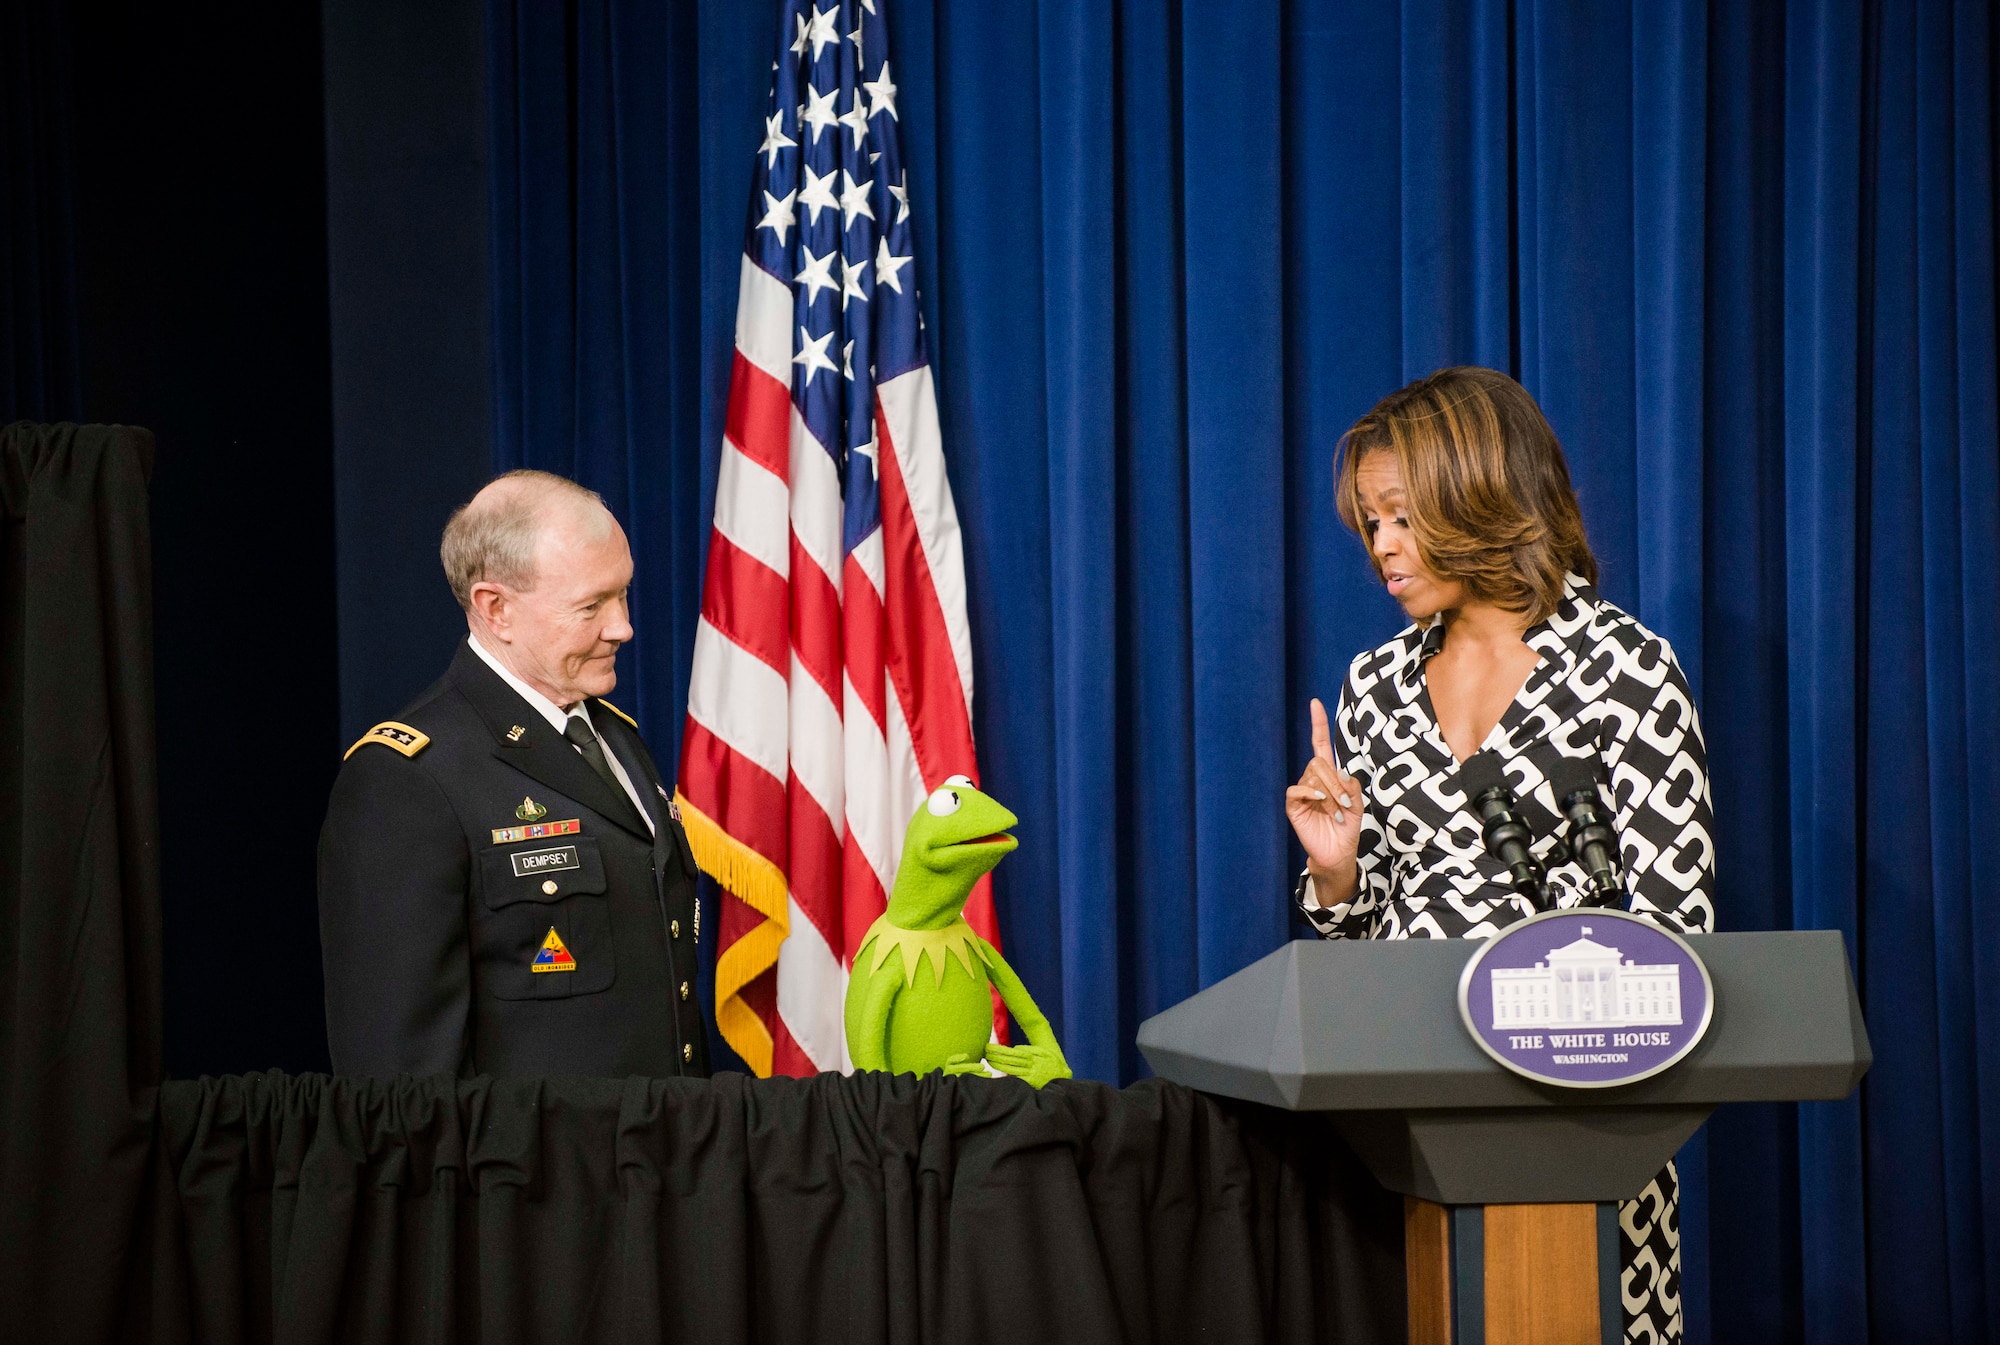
x: 527, y: 862
x: 1586, y: 999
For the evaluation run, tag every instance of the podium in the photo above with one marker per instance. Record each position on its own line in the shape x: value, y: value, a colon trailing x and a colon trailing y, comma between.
x: 1511, y: 1187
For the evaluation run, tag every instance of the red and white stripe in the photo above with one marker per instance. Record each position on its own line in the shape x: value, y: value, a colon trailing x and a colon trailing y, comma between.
x: 828, y: 694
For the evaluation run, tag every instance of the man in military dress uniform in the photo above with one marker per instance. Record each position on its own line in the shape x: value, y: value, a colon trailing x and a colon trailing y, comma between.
x: 504, y: 884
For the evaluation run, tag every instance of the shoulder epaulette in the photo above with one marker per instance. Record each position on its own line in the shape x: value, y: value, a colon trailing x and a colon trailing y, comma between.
x: 389, y: 733
x: 616, y: 711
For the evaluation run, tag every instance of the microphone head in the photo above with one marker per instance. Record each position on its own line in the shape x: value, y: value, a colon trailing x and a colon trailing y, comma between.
x: 1481, y: 772
x: 1569, y: 776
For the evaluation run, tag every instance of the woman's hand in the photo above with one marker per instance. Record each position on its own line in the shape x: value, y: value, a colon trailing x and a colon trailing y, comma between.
x: 1324, y: 808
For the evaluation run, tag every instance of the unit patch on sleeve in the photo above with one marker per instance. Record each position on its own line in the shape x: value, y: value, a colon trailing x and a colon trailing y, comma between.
x: 389, y: 733
x: 503, y: 835
x: 553, y: 956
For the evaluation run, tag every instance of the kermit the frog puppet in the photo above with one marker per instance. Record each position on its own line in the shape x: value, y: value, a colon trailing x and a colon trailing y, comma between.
x: 918, y: 999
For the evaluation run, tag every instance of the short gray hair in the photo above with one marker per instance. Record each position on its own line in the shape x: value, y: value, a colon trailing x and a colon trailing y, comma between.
x: 491, y: 537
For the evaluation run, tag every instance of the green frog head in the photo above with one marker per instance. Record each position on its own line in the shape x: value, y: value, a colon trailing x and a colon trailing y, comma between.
x: 957, y: 836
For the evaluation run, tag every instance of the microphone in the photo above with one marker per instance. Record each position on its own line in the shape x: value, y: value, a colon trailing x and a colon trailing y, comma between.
x: 1592, y: 838
x: 1507, y: 835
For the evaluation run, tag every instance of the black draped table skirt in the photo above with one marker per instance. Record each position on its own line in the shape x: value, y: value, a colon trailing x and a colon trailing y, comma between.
x: 871, y: 1208
x: 307, y: 1210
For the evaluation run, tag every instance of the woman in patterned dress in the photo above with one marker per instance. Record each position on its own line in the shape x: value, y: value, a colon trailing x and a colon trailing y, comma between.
x: 1459, y: 488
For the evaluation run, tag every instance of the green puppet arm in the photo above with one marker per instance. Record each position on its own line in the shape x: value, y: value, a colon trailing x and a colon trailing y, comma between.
x: 868, y: 1021
x: 1042, y: 1058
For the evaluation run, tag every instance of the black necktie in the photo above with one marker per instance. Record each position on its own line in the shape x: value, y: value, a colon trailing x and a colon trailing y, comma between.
x: 577, y: 729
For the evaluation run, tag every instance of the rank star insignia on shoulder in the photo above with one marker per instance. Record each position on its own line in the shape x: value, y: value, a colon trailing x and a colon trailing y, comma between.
x: 389, y: 733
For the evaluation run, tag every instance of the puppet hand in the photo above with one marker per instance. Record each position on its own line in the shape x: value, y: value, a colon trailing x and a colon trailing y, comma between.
x: 963, y: 1064
x: 1036, y: 1064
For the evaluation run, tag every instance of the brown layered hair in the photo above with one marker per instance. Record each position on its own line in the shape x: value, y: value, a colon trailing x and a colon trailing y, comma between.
x: 1487, y: 492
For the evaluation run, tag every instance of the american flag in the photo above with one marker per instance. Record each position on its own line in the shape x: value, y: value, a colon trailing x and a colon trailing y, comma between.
x: 832, y: 680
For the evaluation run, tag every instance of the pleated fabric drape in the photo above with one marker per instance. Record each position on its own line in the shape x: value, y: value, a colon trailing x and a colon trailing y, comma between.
x: 1744, y: 255
x: 80, y: 951
x: 873, y: 1208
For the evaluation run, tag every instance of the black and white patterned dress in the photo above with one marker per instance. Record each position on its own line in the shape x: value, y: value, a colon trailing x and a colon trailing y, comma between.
x: 1606, y: 687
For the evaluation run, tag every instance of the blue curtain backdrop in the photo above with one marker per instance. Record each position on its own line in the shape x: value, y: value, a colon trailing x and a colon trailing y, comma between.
x: 1744, y: 255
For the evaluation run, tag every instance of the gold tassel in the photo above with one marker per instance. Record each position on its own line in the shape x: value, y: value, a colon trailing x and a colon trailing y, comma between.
x: 759, y: 884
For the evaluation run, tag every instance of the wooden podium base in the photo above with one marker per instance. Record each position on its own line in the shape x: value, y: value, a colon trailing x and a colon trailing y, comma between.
x: 1512, y: 1274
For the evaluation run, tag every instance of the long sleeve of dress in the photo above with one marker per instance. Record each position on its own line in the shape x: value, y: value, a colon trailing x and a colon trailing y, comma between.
x: 1651, y: 744
x: 1358, y: 917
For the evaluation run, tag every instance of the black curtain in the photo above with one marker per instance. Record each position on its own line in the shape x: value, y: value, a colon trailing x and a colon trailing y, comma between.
x: 39, y: 352
x: 163, y: 262
x: 79, y: 870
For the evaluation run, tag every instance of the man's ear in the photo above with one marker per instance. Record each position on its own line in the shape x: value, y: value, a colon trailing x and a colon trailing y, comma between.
x: 491, y: 605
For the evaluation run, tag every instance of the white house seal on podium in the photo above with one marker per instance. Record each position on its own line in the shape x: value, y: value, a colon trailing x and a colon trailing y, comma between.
x: 1586, y: 998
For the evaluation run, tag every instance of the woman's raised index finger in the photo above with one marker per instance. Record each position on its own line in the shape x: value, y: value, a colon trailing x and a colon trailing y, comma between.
x: 1322, y: 735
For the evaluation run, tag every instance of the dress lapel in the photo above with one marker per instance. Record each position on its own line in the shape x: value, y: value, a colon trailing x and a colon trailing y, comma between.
x: 538, y: 751
x: 612, y: 732
x: 1547, y: 700
x: 619, y: 737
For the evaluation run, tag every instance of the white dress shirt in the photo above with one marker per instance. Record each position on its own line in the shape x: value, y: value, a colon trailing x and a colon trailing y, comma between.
x: 558, y: 718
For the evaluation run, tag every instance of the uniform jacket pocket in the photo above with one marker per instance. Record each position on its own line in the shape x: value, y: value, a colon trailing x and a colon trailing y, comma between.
x: 545, y: 932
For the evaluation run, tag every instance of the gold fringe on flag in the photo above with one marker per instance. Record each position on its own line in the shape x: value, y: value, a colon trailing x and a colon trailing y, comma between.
x: 758, y: 883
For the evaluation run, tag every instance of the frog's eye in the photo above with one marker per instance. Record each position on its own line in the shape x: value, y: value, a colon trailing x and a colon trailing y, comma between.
x: 963, y: 781
x: 943, y: 803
